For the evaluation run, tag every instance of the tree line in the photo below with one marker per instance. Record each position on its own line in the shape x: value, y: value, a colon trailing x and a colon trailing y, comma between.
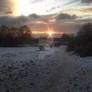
x: 81, y: 43
x: 15, y: 36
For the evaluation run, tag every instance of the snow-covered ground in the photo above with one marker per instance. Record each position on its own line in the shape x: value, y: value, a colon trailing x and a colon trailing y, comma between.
x: 26, y: 69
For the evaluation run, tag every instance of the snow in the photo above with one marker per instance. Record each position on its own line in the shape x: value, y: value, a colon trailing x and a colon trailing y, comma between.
x: 26, y: 69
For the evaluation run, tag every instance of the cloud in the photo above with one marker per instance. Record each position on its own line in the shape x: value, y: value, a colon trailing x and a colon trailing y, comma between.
x: 9, y: 20
x: 34, y: 16
x: 86, y: 1
x: 36, y: 1
x: 8, y: 12
x: 87, y: 11
x: 40, y: 23
x: 66, y: 27
x: 5, y: 7
x: 13, y: 21
x: 35, y: 21
x: 71, y: 2
x: 64, y: 23
x: 63, y: 16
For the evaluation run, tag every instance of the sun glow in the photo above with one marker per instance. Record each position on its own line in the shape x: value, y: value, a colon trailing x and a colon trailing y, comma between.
x: 50, y: 32
x: 22, y: 7
x: 27, y: 7
x: 40, y: 7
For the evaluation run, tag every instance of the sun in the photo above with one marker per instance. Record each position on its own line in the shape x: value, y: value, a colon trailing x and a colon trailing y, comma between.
x: 50, y: 32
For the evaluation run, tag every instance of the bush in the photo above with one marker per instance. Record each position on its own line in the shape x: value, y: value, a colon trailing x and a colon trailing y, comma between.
x: 82, y: 43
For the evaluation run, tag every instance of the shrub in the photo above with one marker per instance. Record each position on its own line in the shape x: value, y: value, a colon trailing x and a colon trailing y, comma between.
x: 82, y: 43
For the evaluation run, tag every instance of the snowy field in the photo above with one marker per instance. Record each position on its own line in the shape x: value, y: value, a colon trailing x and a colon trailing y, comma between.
x: 26, y: 69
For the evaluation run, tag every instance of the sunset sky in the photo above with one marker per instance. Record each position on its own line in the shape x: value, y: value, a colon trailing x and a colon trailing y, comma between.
x: 59, y: 15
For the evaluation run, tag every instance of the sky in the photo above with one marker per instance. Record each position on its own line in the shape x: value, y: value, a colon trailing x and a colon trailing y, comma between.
x: 59, y: 15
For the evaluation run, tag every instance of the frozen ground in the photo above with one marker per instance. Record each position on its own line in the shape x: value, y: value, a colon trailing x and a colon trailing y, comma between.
x: 27, y: 69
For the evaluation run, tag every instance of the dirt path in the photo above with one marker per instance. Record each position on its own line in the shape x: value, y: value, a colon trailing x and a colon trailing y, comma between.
x: 60, y: 77
x: 73, y: 74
